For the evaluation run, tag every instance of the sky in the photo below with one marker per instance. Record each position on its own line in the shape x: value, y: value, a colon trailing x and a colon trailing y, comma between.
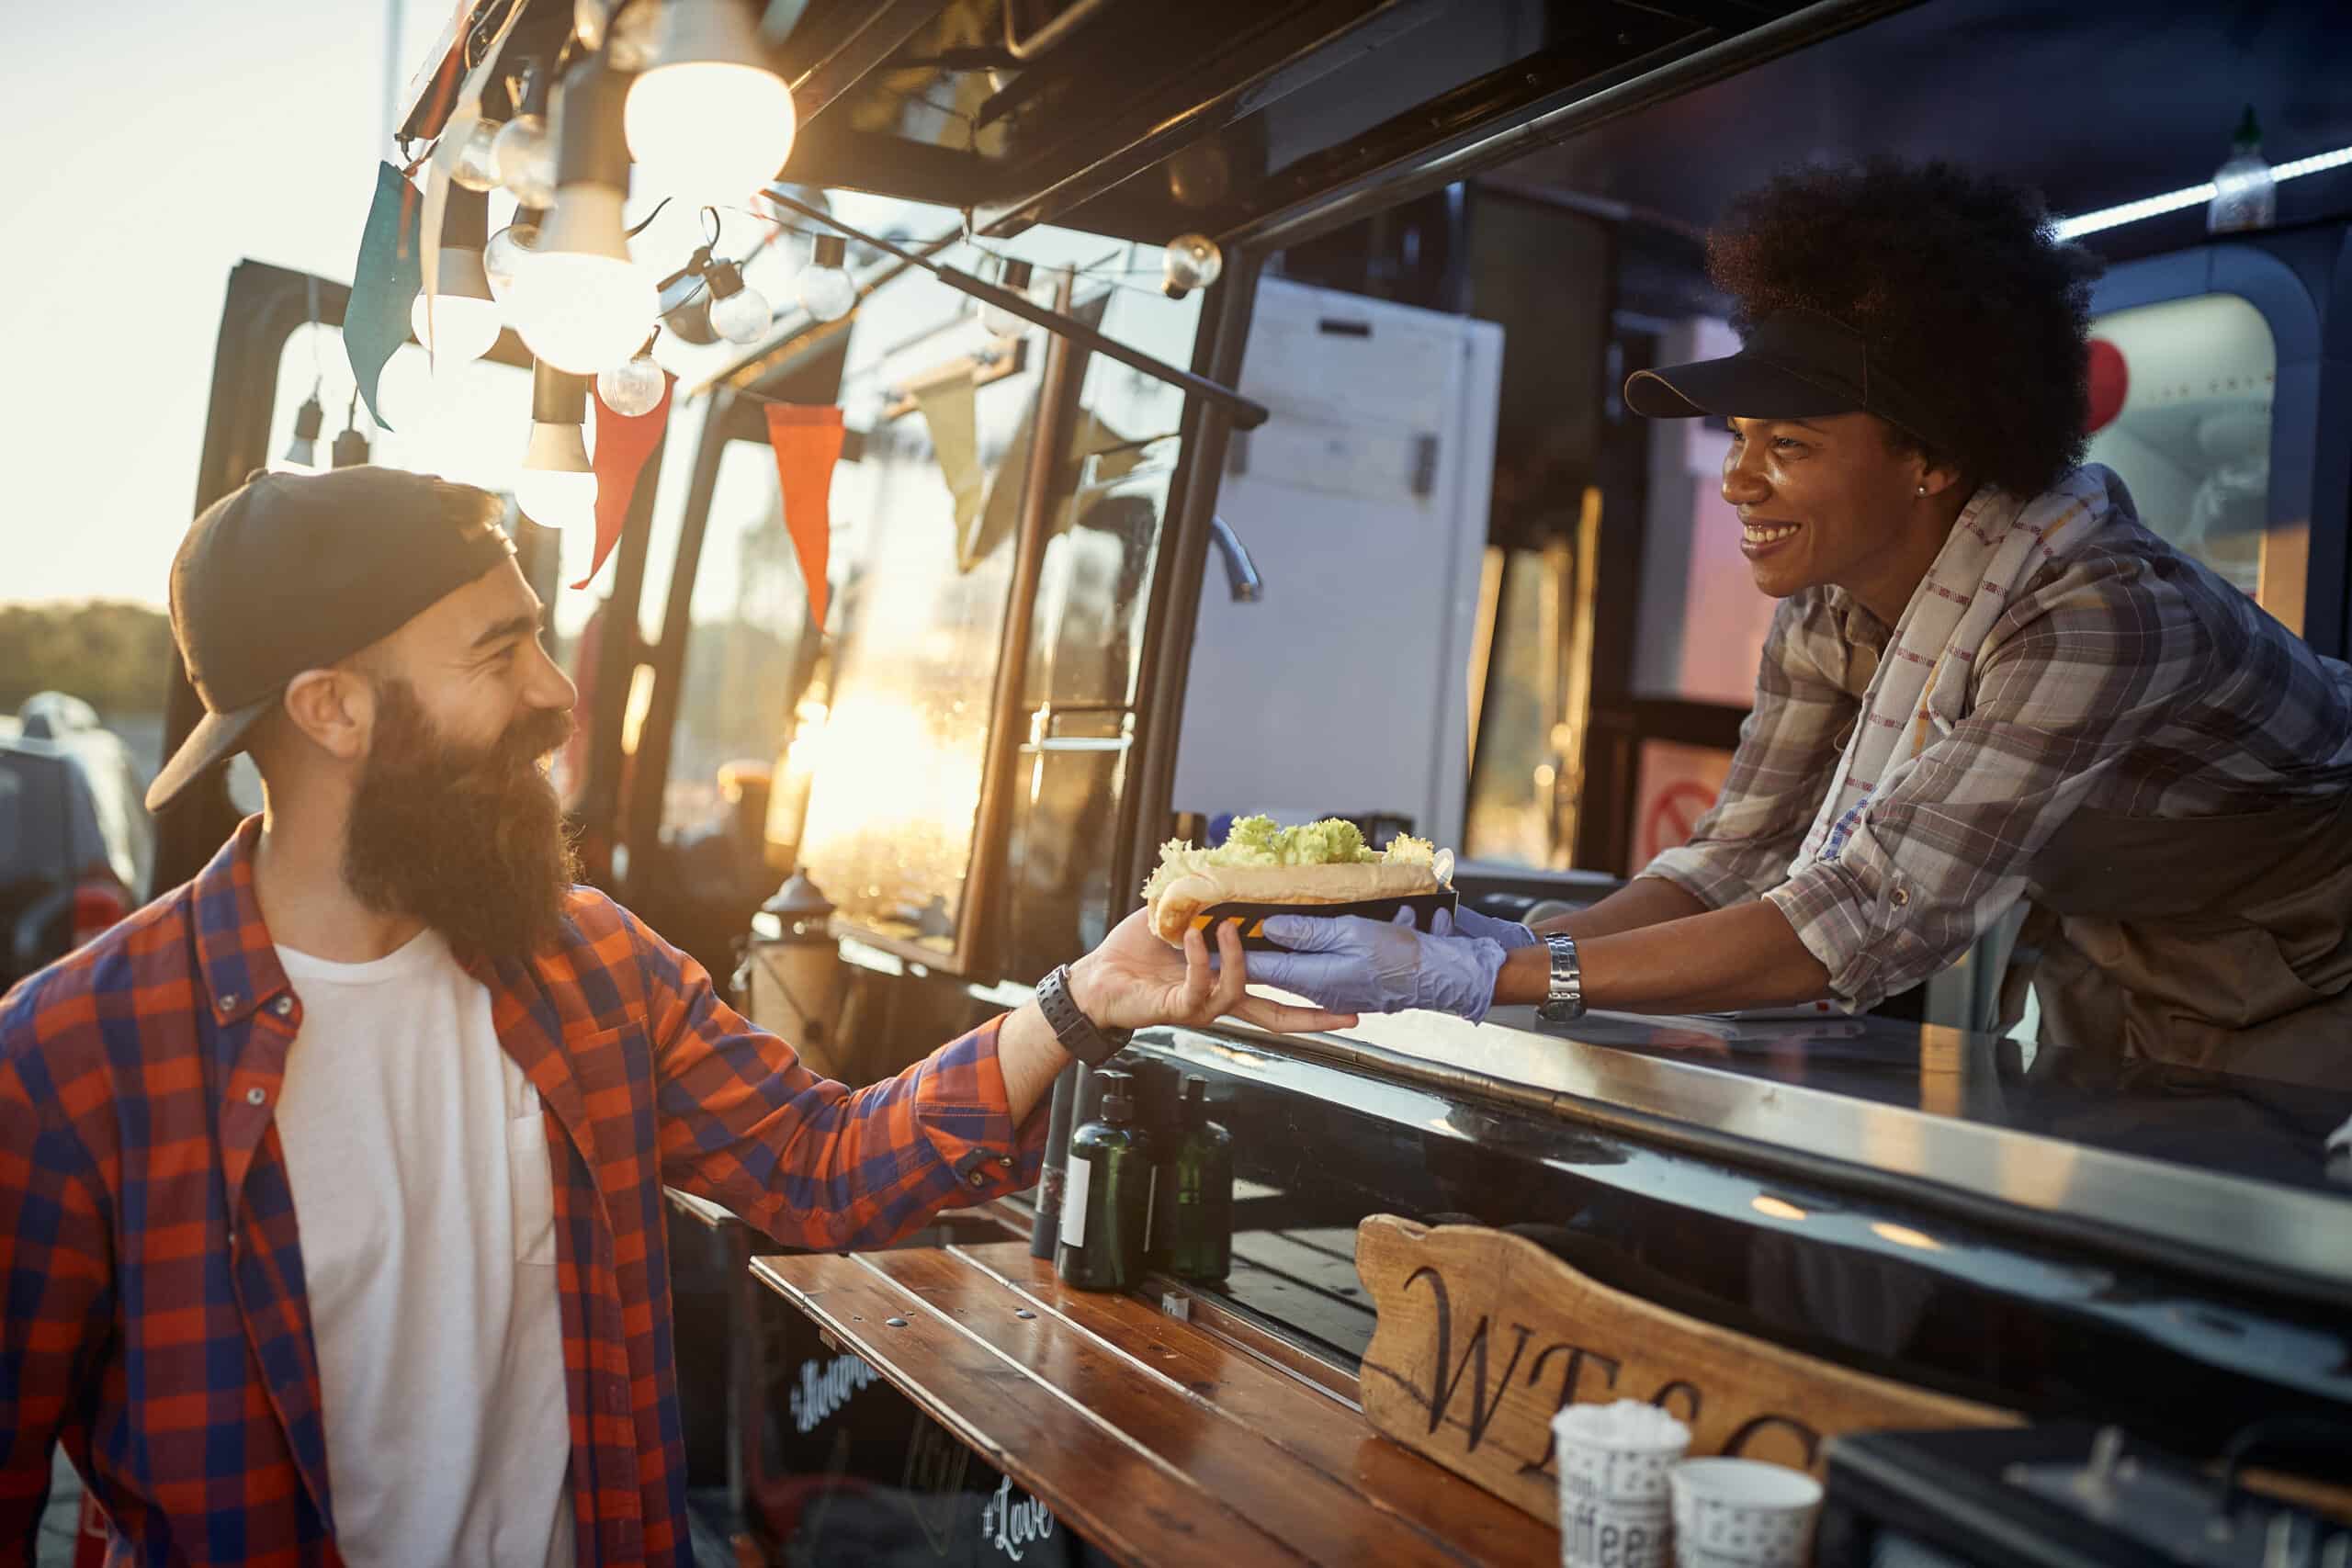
x: 154, y: 146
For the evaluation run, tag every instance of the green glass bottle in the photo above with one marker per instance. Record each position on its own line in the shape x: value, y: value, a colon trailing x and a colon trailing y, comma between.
x: 1159, y: 1121
x: 1200, y: 1229
x: 1106, y: 1203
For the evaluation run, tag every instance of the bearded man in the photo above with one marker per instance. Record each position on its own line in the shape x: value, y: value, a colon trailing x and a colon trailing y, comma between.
x: 331, y: 1183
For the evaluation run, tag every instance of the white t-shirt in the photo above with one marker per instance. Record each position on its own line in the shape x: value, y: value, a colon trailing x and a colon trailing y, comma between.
x: 417, y: 1153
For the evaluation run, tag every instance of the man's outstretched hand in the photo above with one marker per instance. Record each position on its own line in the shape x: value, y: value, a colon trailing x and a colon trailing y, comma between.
x: 1135, y: 980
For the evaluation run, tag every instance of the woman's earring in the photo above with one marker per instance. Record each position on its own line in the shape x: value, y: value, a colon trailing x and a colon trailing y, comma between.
x: 1922, y: 490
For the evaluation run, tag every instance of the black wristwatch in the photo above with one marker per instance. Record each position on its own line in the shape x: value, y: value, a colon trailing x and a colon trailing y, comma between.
x: 1079, y: 1036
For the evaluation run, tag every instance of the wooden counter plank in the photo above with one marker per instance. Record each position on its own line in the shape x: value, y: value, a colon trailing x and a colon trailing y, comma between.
x: 1304, y: 1422
x: 1125, y: 1499
x: 1319, y: 1517
x: 702, y: 1210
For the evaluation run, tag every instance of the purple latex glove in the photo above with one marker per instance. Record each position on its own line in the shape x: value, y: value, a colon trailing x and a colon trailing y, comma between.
x: 1352, y: 964
x: 1511, y: 934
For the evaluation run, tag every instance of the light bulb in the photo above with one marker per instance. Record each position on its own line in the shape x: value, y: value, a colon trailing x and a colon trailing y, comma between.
x: 465, y: 318
x: 579, y: 302
x: 738, y: 313
x: 302, y: 452
x: 742, y: 317
x: 824, y: 287
x: 582, y: 313
x: 461, y: 329
x: 708, y: 119
x: 632, y: 389
x: 525, y: 155
x: 505, y: 254
x: 556, y: 488
x: 1193, y: 261
x: 476, y: 167
x: 825, y: 292
x: 554, y: 499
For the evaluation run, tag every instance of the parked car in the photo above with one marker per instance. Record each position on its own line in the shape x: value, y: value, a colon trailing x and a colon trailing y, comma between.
x: 76, y: 843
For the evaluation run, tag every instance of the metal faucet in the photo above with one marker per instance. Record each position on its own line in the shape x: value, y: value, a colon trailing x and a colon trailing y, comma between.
x: 1240, y: 572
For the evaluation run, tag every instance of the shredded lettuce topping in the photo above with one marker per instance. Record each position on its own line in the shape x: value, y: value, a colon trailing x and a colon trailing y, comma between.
x: 1255, y: 841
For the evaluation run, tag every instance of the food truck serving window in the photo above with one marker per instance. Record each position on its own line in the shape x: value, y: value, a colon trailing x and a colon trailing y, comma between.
x: 881, y: 741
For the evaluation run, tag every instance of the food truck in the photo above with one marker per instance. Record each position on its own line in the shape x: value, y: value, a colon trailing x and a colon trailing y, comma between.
x: 1353, y: 522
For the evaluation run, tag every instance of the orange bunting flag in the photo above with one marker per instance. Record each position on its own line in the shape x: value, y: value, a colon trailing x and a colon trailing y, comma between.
x: 808, y: 442
x: 623, y: 443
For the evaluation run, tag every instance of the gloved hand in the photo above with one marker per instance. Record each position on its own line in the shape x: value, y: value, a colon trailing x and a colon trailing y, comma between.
x: 1352, y: 964
x: 1512, y: 935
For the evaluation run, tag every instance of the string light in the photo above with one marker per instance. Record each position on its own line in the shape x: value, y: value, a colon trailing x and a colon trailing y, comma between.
x: 302, y: 452
x: 632, y: 389
x: 507, y: 249
x: 556, y: 487
x: 708, y: 119
x: 739, y: 313
x: 351, y: 446
x: 525, y: 158
x: 476, y: 166
x: 459, y: 320
x: 1191, y: 261
x: 824, y: 288
x: 578, y: 301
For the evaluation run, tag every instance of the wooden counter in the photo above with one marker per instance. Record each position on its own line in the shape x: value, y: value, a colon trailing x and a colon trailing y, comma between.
x: 1158, y: 1440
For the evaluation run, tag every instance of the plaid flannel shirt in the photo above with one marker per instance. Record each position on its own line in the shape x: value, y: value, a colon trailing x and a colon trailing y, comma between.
x: 2126, y: 678
x: 155, y: 1321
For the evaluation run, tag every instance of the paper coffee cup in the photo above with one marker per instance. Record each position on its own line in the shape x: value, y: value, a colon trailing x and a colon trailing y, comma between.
x: 1616, y: 1507
x: 1742, y: 1513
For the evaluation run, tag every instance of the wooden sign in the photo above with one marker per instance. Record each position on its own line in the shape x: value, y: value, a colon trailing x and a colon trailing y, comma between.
x: 1484, y: 1335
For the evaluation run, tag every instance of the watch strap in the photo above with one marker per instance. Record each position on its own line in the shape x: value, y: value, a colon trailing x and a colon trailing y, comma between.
x: 1564, y: 995
x: 1079, y: 1036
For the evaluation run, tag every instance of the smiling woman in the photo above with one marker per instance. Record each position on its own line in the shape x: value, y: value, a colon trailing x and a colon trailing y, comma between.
x: 1841, y: 499
x: 1984, y: 677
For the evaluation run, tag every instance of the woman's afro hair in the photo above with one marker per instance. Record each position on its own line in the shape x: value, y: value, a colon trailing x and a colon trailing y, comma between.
x: 1957, y: 282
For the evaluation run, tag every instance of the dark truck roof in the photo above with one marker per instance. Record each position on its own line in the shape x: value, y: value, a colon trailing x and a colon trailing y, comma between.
x: 1240, y: 120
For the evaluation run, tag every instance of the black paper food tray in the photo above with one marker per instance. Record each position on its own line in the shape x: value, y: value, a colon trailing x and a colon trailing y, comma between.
x: 1253, y: 917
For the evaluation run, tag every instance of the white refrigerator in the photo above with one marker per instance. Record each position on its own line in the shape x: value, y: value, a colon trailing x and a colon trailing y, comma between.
x: 1363, y: 501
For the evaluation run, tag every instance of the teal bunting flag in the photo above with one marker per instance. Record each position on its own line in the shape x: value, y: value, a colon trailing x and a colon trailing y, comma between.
x: 384, y: 283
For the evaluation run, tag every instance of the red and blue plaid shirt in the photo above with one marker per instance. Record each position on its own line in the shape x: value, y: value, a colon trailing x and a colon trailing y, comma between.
x: 155, y: 1322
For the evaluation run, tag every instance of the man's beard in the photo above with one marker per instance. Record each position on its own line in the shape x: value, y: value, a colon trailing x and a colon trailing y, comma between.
x: 470, y: 839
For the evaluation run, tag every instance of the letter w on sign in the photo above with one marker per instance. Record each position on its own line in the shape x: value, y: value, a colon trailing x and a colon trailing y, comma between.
x: 1482, y: 1335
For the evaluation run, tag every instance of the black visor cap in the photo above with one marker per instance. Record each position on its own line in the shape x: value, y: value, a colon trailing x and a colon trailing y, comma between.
x: 1792, y: 367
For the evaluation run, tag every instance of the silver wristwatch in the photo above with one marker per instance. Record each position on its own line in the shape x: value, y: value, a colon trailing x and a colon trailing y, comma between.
x: 1564, y: 997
